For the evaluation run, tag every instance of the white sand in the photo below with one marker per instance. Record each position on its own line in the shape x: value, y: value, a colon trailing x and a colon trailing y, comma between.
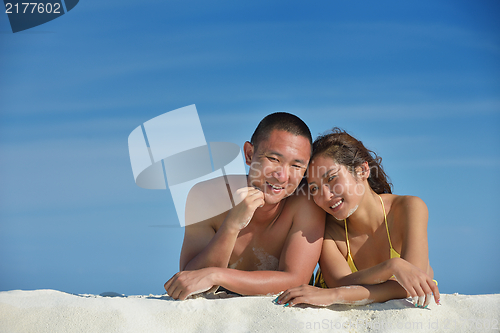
x: 54, y: 311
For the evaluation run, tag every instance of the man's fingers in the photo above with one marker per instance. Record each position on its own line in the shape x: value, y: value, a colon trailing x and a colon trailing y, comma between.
x: 171, y: 291
x: 169, y: 282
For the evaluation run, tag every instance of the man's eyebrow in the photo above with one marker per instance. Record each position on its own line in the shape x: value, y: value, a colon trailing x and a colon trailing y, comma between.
x: 301, y: 162
x: 281, y: 155
x: 275, y: 153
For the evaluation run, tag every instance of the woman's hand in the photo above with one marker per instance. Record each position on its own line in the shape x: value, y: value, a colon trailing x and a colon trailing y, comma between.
x: 306, y: 294
x: 415, y: 281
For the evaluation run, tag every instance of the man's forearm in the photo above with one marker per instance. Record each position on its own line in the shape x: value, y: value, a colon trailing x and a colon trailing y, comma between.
x: 217, y: 253
x: 259, y: 282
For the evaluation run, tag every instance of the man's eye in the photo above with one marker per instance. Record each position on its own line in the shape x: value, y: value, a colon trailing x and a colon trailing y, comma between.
x: 272, y: 159
x: 297, y: 166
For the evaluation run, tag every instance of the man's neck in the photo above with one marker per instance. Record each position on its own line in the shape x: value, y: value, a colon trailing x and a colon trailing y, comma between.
x: 269, y: 213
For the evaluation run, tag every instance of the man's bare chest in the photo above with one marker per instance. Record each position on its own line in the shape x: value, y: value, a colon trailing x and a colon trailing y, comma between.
x: 257, y: 249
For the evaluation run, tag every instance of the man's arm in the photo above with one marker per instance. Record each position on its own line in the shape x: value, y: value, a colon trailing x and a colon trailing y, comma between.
x: 297, y: 261
x: 203, y: 246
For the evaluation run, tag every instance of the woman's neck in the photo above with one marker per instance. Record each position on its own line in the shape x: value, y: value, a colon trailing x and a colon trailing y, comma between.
x: 369, y: 215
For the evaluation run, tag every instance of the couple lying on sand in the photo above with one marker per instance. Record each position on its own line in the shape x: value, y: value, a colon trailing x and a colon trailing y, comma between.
x: 371, y: 244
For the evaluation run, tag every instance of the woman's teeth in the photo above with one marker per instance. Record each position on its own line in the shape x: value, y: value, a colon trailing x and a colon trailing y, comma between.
x: 337, y: 204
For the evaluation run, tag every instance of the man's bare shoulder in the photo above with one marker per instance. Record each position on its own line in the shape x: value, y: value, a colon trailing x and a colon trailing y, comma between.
x: 214, y: 183
x: 304, y: 210
x: 301, y: 199
x: 211, y: 198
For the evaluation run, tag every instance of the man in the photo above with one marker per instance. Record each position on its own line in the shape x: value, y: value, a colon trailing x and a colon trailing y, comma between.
x: 271, y: 240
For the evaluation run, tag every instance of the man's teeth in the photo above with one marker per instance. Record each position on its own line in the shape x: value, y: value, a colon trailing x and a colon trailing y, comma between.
x: 275, y: 187
x: 337, y: 204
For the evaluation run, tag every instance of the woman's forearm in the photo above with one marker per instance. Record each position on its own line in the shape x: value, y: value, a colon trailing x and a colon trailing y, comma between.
x: 373, y: 275
x: 366, y: 294
x: 353, y: 295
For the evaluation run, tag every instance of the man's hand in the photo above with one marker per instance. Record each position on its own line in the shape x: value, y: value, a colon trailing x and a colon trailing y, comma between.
x: 187, y: 283
x: 248, y: 199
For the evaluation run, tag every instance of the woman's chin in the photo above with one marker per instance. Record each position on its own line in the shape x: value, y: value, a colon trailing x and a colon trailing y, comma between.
x: 336, y: 216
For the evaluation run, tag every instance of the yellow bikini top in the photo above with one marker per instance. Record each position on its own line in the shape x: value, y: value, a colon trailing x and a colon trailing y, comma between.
x: 393, y: 252
x: 319, y: 281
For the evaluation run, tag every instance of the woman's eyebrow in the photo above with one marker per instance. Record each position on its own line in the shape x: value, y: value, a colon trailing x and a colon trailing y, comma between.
x: 326, y: 173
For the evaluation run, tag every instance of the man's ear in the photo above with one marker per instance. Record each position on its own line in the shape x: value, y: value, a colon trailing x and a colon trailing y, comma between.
x: 248, y: 150
x: 363, y: 171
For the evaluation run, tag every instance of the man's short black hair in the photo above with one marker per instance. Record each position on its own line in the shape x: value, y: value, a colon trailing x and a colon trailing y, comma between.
x: 282, y: 121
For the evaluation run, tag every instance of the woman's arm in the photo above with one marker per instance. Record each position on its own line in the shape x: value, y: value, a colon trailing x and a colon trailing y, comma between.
x: 410, y: 272
x: 377, y: 286
x: 353, y: 295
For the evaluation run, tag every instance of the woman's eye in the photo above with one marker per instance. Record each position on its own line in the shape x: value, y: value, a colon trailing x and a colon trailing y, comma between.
x: 313, y: 189
x: 331, y: 178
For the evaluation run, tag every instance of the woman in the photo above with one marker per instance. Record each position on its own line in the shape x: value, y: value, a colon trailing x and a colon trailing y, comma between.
x: 375, y: 244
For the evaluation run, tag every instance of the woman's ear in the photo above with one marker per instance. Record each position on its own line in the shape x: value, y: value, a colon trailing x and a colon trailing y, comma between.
x: 248, y: 151
x: 363, y: 171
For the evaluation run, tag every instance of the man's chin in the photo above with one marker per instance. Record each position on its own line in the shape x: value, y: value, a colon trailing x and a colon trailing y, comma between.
x: 273, y: 199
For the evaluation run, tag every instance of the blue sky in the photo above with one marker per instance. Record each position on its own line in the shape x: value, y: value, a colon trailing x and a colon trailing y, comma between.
x: 416, y: 81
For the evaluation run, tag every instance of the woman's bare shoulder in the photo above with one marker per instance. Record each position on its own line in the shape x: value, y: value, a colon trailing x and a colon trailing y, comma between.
x: 334, y: 229
x: 406, y: 203
x: 408, y: 212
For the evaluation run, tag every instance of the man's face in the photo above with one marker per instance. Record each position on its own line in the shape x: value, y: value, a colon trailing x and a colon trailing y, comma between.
x: 277, y: 164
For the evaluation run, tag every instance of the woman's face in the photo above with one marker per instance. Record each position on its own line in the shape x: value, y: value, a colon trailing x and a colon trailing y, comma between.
x: 334, y: 188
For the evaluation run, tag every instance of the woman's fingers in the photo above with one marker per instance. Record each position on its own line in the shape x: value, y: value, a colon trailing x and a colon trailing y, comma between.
x: 421, y: 301
x: 290, y: 297
x: 283, y: 298
x: 431, y: 290
x: 419, y: 286
x: 306, y: 294
x: 435, y: 291
x: 421, y: 292
x: 428, y: 298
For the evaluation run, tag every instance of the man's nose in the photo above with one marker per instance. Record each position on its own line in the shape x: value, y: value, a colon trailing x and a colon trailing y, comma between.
x: 281, y: 174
